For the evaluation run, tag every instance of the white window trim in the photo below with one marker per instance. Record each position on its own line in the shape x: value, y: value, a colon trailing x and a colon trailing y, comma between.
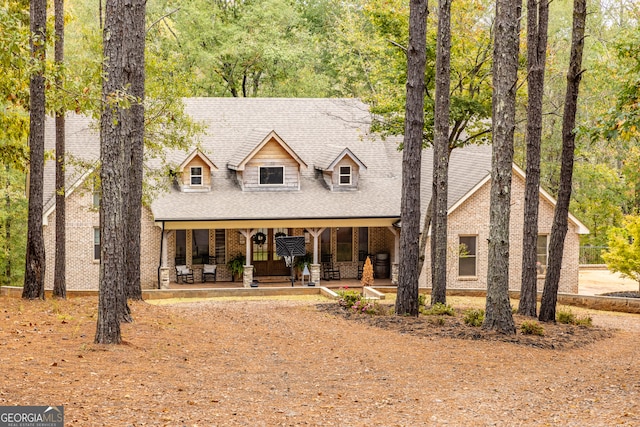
x: 196, y: 176
x: 271, y: 167
x: 96, y: 230
x: 475, y: 258
x: 340, y: 175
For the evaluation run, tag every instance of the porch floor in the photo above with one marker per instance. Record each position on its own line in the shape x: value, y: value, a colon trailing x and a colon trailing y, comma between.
x: 331, y: 284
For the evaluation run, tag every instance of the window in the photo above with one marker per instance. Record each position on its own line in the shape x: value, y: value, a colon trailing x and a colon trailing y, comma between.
x: 200, y: 247
x: 96, y: 193
x: 196, y: 175
x: 271, y: 175
x: 181, y: 247
x: 345, y: 175
x: 220, y: 247
x: 541, y: 259
x: 325, y: 242
x: 96, y: 243
x: 467, y: 256
x: 363, y: 240
x: 344, y: 238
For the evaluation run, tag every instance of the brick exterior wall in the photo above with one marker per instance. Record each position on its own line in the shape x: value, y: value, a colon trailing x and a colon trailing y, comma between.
x: 472, y: 218
x: 82, y: 271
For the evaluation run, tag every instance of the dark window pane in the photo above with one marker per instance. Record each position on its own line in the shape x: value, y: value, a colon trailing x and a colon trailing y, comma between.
x: 344, y: 244
x: 467, y: 256
x: 467, y: 266
x: 272, y: 175
x: 96, y: 243
x: 200, y: 247
x: 181, y: 247
x: 220, y: 247
x: 345, y: 174
x: 325, y: 242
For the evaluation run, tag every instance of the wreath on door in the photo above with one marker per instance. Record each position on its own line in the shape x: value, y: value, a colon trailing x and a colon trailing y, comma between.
x: 260, y: 238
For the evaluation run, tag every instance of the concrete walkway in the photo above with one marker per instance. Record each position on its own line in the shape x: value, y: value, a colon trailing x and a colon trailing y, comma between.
x: 596, y: 281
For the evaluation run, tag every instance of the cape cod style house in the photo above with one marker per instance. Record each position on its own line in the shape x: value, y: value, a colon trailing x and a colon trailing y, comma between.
x: 289, y: 167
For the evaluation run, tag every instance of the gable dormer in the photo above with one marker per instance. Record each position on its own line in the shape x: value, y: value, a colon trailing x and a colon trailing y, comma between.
x: 341, y: 171
x: 194, y: 173
x: 267, y: 163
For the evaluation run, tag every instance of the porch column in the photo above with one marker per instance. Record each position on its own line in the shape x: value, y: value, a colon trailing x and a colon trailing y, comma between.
x: 247, y: 275
x: 316, y: 232
x: 314, y: 269
x: 395, y: 262
x: 164, y: 269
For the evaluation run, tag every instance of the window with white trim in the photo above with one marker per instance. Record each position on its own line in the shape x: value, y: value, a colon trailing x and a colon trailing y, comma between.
x: 271, y: 175
x: 344, y: 177
x: 467, y: 256
x: 196, y: 175
x: 96, y: 243
x: 541, y: 254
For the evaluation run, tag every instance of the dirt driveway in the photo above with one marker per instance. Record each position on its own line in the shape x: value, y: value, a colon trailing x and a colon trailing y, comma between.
x: 595, y: 281
x: 287, y: 363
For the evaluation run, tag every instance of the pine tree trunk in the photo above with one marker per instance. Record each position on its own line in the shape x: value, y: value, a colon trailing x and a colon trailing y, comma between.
x: 498, y: 315
x: 112, y: 206
x: 407, y: 300
x: 537, y: 21
x: 441, y: 156
x: 424, y: 236
x: 59, y: 285
x: 7, y: 229
x: 561, y: 214
x: 35, y: 257
x: 135, y: 76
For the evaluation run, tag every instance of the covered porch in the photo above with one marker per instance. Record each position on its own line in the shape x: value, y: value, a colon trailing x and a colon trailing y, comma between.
x: 243, y: 252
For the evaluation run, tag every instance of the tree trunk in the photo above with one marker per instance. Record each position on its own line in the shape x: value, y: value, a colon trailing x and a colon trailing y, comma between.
x: 424, y: 236
x: 407, y: 300
x: 112, y: 206
x: 441, y: 156
x: 7, y: 230
x: 59, y: 285
x: 35, y: 257
x: 537, y: 20
x: 498, y: 315
x: 561, y: 214
x: 135, y: 76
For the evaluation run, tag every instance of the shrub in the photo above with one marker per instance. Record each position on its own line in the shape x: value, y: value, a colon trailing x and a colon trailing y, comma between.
x: 439, y: 309
x: 366, y: 307
x: 474, y: 317
x: 531, y: 328
x: 422, y: 300
x: 348, y: 298
x: 567, y: 317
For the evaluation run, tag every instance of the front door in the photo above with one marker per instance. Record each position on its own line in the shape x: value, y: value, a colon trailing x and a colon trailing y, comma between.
x: 263, y: 253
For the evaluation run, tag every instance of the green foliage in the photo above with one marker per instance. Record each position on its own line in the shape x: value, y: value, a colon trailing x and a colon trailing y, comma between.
x: 236, y: 265
x: 439, y: 309
x: 623, y: 255
x: 474, y: 317
x: 567, y: 317
x: 348, y: 297
x: 422, y: 300
x: 530, y: 327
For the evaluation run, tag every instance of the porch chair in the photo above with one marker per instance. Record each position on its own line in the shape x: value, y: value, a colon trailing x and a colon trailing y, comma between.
x: 184, y: 273
x: 209, y: 271
x: 329, y: 272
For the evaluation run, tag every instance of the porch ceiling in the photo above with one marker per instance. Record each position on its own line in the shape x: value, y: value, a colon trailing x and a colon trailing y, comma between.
x: 278, y: 223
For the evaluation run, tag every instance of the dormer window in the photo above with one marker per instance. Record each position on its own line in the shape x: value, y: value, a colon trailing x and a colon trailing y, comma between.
x: 196, y: 176
x: 271, y: 175
x: 345, y: 175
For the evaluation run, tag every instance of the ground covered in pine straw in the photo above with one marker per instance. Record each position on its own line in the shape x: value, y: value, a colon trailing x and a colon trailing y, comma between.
x: 308, y: 362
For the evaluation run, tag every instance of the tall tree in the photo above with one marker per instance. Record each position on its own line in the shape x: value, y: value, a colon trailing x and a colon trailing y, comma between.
x: 112, y: 176
x: 59, y: 285
x: 561, y: 214
x: 407, y: 301
x: 537, y: 23
x: 35, y: 259
x: 135, y: 12
x: 441, y: 156
x: 498, y: 315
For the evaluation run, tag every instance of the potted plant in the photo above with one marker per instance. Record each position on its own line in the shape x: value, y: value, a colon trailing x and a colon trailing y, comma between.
x: 236, y: 266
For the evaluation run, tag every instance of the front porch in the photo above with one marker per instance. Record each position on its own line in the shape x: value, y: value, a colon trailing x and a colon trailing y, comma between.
x: 278, y: 283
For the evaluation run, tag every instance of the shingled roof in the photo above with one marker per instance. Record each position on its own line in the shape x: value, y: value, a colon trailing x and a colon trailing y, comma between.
x: 312, y: 128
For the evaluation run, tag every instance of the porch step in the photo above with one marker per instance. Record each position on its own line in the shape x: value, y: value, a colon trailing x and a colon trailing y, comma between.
x: 272, y: 279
